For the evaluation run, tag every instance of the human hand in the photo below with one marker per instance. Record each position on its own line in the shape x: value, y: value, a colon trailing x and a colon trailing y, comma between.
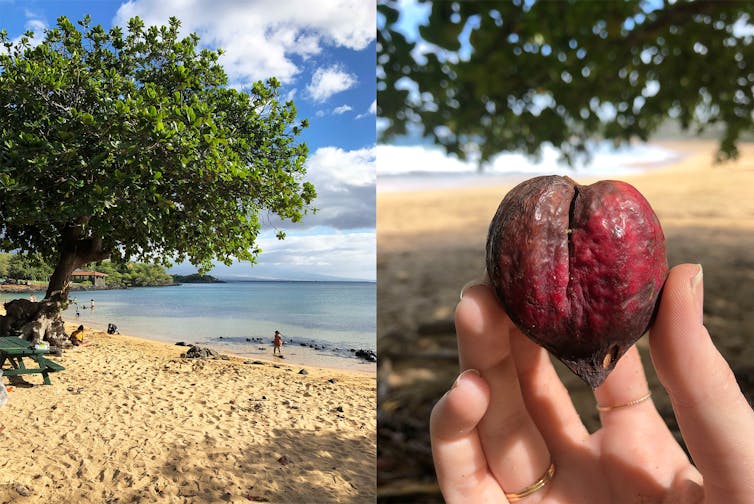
x: 508, y: 415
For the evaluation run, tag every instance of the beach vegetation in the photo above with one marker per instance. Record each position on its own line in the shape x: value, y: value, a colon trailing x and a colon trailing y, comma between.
x: 480, y: 78
x: 4, y: 264
x: 195, y: 278
x: 28, y: 267
x: 129, y: 143
x: 120, y: 275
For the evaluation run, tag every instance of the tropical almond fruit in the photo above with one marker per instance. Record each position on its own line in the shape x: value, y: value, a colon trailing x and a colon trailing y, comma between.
x: 578, y: 269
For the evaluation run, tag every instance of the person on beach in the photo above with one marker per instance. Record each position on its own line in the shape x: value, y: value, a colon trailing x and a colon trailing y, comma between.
x: 277, y: 343
x: 507, y: 428
x: 77, y: 336
x: 112, y: 329
x: 91, y: 305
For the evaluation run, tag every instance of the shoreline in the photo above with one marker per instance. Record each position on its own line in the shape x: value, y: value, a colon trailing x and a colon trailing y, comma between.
x: 296, y: 351
x: 237, y: 357
x: 419, y: 182
x: 302, y: 356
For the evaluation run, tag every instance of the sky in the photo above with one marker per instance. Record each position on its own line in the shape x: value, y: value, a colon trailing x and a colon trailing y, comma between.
x: 323, y: 53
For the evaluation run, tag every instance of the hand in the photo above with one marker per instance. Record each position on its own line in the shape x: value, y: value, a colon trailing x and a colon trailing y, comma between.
x: 508, y: 415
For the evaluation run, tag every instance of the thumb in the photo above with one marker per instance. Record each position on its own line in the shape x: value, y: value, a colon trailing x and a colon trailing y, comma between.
x: 715, y: 420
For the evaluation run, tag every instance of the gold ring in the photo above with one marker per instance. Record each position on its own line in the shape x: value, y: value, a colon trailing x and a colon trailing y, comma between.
x: 537, y: 485
x: 624, y: 405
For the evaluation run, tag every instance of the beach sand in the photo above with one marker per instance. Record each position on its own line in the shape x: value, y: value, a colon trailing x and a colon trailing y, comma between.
x: 430, y: 243
x: 129, y: 420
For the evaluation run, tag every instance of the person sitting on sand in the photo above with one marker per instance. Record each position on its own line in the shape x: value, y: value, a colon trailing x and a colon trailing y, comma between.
x: 277, y: 343
x: 112, y: 329
x: 77, y: 336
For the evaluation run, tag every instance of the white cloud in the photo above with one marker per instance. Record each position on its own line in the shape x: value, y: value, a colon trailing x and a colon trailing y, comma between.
x: 370, y: 112
x: 264, y: 38
x: 344, y: 255
x: 321, y: 254
x: 341, y: 110
x: 336, y: 169
x: 34, y: 24
x: 329, y: 81
x: 346, y: 187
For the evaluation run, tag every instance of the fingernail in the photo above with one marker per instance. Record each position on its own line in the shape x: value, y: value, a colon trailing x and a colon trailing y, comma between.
x: 483, y: 280
x: 697, y: 289
x: 465, y: 373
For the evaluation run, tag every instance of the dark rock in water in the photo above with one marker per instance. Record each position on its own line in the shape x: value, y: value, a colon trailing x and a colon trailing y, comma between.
x: 367, y: 355
x: 303, y: 371
x: 352, y: 350
x: 248, y: 339
x: 181, y: 343
x: 220, y: 337
x: 197, y: 352
x: 302, y: 344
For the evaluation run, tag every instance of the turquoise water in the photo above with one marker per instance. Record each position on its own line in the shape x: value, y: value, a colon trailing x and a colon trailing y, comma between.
x: 332, y: 317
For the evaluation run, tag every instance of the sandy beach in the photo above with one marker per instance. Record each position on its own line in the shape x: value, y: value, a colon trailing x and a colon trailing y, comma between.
x: 432, y: 242
x: 129, y: 420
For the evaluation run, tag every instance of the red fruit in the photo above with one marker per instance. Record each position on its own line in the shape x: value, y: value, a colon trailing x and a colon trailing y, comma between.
x: 579, y: 269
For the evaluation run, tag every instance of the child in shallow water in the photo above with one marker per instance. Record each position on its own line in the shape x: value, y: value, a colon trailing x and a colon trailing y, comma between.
x: 277, y: 343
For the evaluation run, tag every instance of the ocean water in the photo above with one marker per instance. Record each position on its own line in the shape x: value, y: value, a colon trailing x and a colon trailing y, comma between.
x: 326, y: 319
x: 416, y: 167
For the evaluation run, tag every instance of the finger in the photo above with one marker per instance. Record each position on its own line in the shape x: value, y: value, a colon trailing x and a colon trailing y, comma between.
x: 515, y: 450
x: 456, y: 449
x: 625, y: 384
x: 715, y: 420
x: 546, y: 398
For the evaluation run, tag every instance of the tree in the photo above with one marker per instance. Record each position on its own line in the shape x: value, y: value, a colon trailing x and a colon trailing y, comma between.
x: 122, y: 145
x: 28, y: 267
x: 487, y: 77
x: 4, y: 263
x: 129, y: 143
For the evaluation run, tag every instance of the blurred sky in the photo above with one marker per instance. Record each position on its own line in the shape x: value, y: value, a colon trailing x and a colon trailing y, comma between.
x: 323, y: 52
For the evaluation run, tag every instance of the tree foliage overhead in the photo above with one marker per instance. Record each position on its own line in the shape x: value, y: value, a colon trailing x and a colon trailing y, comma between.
x: 509, y: 76
x: 128, y: 143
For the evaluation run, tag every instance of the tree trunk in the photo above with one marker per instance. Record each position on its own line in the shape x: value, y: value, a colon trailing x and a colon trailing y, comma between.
x: 41, y: 321
x: 75, y: 251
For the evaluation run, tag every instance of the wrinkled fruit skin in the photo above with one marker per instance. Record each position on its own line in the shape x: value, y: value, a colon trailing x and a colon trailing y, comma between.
x: 579, y: 269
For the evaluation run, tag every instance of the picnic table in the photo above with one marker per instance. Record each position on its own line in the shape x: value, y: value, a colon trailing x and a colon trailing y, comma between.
x: 14, y: 350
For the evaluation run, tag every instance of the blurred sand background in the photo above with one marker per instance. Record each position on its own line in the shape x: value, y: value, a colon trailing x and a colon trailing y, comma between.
x: 430, y: 243
x: 129, y: 420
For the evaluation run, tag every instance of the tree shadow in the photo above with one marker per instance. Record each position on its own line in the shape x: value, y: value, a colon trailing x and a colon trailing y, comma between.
x: 290, y: 465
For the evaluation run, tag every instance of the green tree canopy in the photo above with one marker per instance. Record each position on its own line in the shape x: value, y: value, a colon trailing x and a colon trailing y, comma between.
x: 28, y: 267
x: 509, y: 76
x: 128, y: 143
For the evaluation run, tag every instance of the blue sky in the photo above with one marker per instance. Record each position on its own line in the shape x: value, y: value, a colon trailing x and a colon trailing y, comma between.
x: 324, y: 54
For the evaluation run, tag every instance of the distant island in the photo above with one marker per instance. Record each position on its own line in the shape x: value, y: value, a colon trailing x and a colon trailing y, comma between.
x: 195, y: 278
